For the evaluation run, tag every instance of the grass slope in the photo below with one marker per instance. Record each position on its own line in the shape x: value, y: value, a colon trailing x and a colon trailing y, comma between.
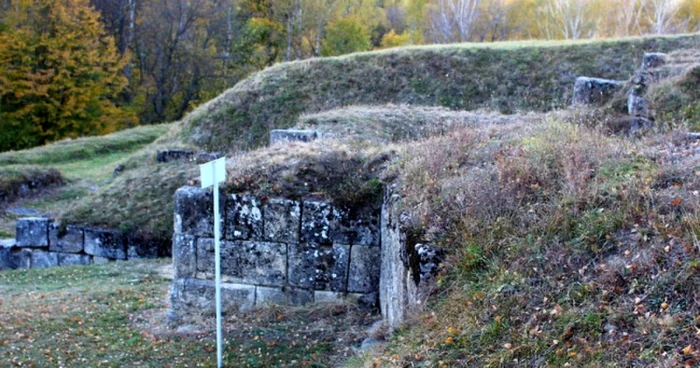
x: 507, y: 77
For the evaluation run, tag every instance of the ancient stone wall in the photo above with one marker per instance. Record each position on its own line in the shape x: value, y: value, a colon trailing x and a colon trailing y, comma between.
x: 42, y: 243
x: 276, y: 251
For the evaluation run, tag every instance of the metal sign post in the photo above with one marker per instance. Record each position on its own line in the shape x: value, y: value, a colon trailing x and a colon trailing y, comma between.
x: 212, y: 173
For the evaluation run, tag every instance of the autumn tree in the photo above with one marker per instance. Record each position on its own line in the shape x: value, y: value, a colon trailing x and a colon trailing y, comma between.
x: 59, y: 74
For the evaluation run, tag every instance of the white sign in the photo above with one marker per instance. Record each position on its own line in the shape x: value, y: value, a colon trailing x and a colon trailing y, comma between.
x: 213, y: 173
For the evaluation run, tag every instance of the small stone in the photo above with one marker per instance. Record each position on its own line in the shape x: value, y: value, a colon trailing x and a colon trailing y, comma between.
x: 653, y: 60
x: 118, y: 170
x: 174, y: 155
x: 33, y: 232
x: 292, y: 135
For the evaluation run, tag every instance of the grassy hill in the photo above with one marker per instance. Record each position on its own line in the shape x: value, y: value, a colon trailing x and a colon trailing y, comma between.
x: 507, y: 77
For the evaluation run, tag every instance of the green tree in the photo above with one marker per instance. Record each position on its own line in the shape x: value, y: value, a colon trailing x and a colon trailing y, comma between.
x: 345, y: 36
x: 59, y: 74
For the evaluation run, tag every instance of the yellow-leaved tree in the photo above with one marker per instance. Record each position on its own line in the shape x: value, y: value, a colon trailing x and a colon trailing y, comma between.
x: 59, y: 74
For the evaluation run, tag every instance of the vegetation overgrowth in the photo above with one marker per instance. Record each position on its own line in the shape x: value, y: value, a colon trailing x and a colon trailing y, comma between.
x: 504, y: 77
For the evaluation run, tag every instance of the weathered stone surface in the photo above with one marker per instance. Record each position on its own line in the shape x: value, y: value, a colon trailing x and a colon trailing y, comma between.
x: 105, y: 243
x: 141, y: 247
x: 639, y: 125
x: 594, y: 91
x: 248, y: 262
x: 41, y: 259
x: 281, y: 221
x: 430, y: 257
x: 68, y: 240
x: 5, y: 256
x: 32, y: 232
x: 318, y: 267
x: 321, y: 296
x: 194, y: 211
x: 637, y: 105
x: 68, y: 259
x: 653, y: 60
x: 174, y: 155
x: 360, y: 229
x: 292, y: 135
x: 197, y: 296
x: 317, y: 218
x: 100, y: 260
x: 244, y: 219
x: 364, y: 269
x: 20, y: 258
x: 282, y: 296
x: 184, y: 255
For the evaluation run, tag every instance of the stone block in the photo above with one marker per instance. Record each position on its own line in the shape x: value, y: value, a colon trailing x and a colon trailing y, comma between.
x: 105, y: 243
x: 194, y: 211
x: 653, y: 60
x: 197, y: 296
x: 143, y: 247
x: 174, y: 155
x: 292, y: 135
x: 594, y: 91
x: 33, y: 232
x: 360, y: 229
x: 184, y: 255
x: 321, y: 296
x: 100, y: 260
x: 282, y: 221
x: 41, y: 259
x: 20, y: 258
x: 68, y: 240
x: 317, y: 218
x: 319, y: 267
x: 248, y: 262
x: 69, y: 259
x: 282, y: 296
x: 5, y: 250
x: 365, y: 262
x: 244, y: 219
x: 637, y: 106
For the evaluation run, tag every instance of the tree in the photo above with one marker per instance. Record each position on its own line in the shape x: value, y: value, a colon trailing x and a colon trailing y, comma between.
x: 59, y: 74
x: 345, y: 36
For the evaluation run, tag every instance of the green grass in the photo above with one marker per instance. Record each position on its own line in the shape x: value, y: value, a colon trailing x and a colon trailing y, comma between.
x: 508, y: 78
x: 114, y: 316
x: 85, y: 148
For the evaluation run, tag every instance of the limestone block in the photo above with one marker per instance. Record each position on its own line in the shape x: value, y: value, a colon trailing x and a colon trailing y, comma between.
x: 248, y: 262
x: 244, y: 218
x: 105, y: 243
x: 32, y: 232
x: 364, y: 269
x: 20, y: 258
x: 69, y: 259
x: 318, y: 267
x: 282, y: 219
x: 360, y: 229
x: 184, y: 255
x: 174, y: 155
x: 637, y: 106
x: 68, y: 240
x: 594, y: 91
x: 194, y: 211
x: 653, y: 60
x: 5, y: 262
x: 282, y: 296
x: 141, y: 247
x: 41, y: 259
x: 316, y: 221
x: 197, y: 296
x: 292, y: 135
x: 100, y: 260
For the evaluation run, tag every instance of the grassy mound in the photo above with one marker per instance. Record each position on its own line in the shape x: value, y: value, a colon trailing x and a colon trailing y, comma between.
x: 20, y: 181
x: 507, y: 77
x: 566, y: 246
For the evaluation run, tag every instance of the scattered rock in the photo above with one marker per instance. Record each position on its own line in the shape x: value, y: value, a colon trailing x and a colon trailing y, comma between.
x: 174, y: 155
x: 118, y: 170
x: 292, y: 135
x: 653, y: 60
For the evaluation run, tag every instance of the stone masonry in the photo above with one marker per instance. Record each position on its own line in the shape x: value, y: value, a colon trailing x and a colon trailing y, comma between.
x: 276, y: 251
x: 42, y: 243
